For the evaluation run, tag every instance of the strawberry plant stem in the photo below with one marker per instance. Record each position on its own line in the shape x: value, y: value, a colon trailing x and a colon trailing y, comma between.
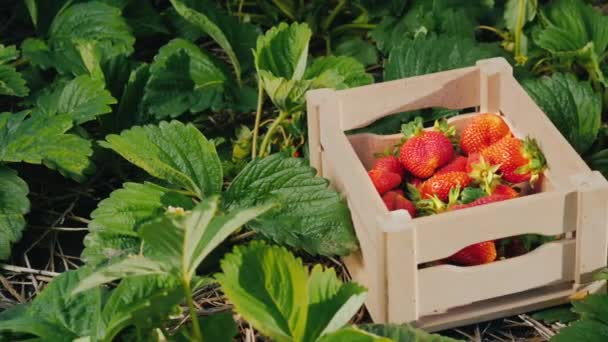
x: 333, y: 15
x: 196, y: 329
x: 258, y: 117
x: 270, y: 133
x: 521, y: 60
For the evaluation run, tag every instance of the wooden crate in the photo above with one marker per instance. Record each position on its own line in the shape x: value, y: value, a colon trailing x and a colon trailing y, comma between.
x: 572, y: 201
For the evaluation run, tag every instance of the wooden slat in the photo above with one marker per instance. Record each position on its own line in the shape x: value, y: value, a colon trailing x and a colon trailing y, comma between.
x: 364, y: 105
x: 505, y: 306
x: 444, y: 287
x: 441, y: 235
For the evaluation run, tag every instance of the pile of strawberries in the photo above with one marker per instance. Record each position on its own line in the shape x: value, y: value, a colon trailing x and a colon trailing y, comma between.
x: 442, y: 172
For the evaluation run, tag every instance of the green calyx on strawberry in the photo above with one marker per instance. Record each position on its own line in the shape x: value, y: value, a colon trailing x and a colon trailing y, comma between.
x: 423, y: 152
x: 442, y: 125
x: 483, y: 173
x: 537, y: 163
x: 434, y: 205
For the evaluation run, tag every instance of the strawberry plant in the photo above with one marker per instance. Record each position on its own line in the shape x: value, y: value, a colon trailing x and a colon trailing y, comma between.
x: 175, y: 131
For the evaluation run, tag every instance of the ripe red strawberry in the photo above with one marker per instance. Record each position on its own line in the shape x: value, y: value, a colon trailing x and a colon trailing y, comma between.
x: 477, y: 254
x: 519, y: 160
x: 395, y: 200
x: 384, y: 181
x: 424, y: 151
x: 482, y: 131
x: 458, y: 163
x: 505, y: 190
x: 440, y: 185
x: 481, y: 201
x: 390, y: 164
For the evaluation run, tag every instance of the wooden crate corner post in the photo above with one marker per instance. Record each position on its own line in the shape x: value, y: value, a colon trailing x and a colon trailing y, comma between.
x: 335, y: 159
x: 490, y: 72
x: 401, y: 267
x: 592, y: 225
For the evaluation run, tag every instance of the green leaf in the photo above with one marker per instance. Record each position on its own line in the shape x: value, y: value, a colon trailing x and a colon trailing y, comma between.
x: 331, y: 304
x: 404, y: 333
x: 11, y: 81
x: 112, y: 230
x: 593, y: 307
x: 562, y: 314
x: 38, y: 139
x: 425, y: 18
x: 513, y: 10
x: 311, y: 216
x: 144, y: 19
x: 94, y: 21
x: 131, y: 266
x: 218, y: 327
x: 234, y: 37
x: 116, y: 72
x: 176, y: 243
x: 182, y: 247
x: 283, y: 51
x: 287, y: 95
x: 575, y: 30
x: 182, y: 78
x: 8, y: 53
x: 77, y: 23
x: 359, y: 49
x: 32, y: 326
x: 272, y: 290
x: 599, y: 161
x: 13, y: 205
x: 174, y: 152
x: 83, y: 99
x: 130, y: 112
x: 145, y: 302
x: 271, y: 294
x: 601, y: 274
x: 432, y: 54
x: 352, y: 334
x: 470, y: 194
x: 573, y: 107
x: 80, y: 314
x: 585, y: 330
x: 337, y: 73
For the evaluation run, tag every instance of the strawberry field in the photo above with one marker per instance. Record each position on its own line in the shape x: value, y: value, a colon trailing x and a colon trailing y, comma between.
x: 155, y: 182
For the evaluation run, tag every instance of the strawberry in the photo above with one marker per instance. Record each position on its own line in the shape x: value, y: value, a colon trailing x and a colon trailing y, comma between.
x: 384, y: 181
x: 505, y: 190
x: 483, y: 131
x: 424, y: 151
x: 520, y: 160
x: 440, y: 185
x: 390, y: 164
x: 481, y: 201
x: 477, y: 254
x: 458, y: 163
x: 395, y: 200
